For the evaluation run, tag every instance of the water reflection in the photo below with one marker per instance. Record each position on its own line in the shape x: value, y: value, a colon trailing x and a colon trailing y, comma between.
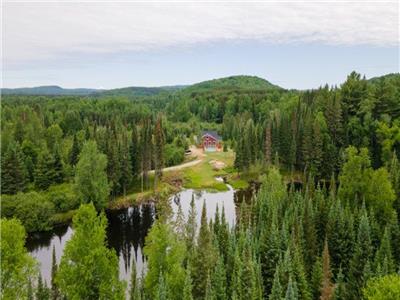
x: 128, y: 228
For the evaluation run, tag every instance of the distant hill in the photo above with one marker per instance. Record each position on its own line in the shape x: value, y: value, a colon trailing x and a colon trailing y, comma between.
x: 391, y: 76
x: 56, y: 91
x: 136, y: 91
x: 49, y: 90
x: 233, y: 82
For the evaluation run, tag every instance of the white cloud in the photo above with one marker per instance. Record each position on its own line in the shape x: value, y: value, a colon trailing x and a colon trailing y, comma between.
x: 41, y: 31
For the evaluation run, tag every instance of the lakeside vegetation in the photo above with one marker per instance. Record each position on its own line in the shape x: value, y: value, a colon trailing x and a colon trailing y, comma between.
x: 337, y: 238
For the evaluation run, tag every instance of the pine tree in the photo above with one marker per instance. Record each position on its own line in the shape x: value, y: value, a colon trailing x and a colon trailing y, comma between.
x: 159, y: 141
x: 361, y: 257
x: 58, y: 176
x: 204, y: 257
x: 209, y: 291
x: 55, y: 294
x: 30, y: 290
x: 384, y: 257
x: 113, y: 163
x: 268, y: 143
x: 291, y: 291
x: 316, y: 279
x: 191, y: 228
x: 327, y: 287
x: 134, y: 288
x: 340, y: 292
x: 13, y: 170
x: 134, y: 151
x: 126, y: 165
x: 270, y: 254
x: 45, y: 172
x: 187, y: 288
x: 146, y: 151
x: 276, y: 291
x: 218, y: 280
x: 74, y: 153
x: 310, y: 235
x: 42, y: 291
x: 161, y: 292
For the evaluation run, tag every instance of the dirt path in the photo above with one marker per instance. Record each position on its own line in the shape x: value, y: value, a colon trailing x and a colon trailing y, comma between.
x: 196, y: 152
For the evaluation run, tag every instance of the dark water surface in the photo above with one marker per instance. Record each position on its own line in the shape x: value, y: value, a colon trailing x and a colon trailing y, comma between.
x: 127, y: 229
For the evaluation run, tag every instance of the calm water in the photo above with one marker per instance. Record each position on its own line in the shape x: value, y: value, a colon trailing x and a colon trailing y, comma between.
x: 127, y: 229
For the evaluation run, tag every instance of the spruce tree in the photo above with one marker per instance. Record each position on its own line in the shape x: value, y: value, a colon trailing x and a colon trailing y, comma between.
x: 42, y: 291
x: 204, y: 257
x: 327, y: 287
x: 134, y: 288
x: 161, y: 290
x: 45, y: 172
x: 187, y: 288
x: 30, y: 290
x: 126, y: 165
x: 58, y: 167
x: 134, y: 151
x: 270, y: 254
x: 276, y: 291
x: 13, y: 170
x: 74, y: 153
x: 340, y: 292
x: 268, y: 144
x: 316, y: 279
x: 291, y: 291
x: 159, y: 141
x: 55, y: 294
x: 361, y: 257
x: 218, y: 280
x: 384, y: 257
x: 191, y: 228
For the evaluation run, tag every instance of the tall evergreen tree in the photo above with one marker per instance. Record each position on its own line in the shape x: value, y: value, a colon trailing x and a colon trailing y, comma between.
x: 187, y: 288
x: 327, y: 287
x: 134, y: 151
x: 159, y: 141
x: 55, y: 294
x: 13, y: 170
x: 74, y: 153
x: 361, y: 257
x: 204, y: 257
x: 384, y: 263
x: 42, y: 291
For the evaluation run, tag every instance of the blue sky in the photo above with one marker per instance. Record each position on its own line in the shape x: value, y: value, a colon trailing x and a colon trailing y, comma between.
x: 108, y: 46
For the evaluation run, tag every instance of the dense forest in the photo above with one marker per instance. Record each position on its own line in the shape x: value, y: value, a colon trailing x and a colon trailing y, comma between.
x: 337, y: 237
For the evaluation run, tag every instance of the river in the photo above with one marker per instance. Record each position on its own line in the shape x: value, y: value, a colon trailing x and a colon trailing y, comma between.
x: 128, y: 228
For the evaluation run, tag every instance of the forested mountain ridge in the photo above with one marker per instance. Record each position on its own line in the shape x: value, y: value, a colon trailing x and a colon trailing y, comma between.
x: 139, y: 91
x: 231, y: 82
x: 48, y: 90
x: 237, y: 82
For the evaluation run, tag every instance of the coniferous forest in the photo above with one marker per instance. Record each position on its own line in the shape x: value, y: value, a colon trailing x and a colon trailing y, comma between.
x: 323, y: 221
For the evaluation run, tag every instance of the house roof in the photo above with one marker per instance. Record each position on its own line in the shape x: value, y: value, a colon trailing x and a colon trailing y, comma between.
x: 214, y: 134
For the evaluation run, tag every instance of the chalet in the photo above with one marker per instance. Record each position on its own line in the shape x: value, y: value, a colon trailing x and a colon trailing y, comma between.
x: 210, y: 141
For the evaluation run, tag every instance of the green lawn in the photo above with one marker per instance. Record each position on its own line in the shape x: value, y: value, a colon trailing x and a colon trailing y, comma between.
x: 202, y: 176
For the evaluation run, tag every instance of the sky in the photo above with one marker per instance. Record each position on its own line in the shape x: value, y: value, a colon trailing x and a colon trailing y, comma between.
x: 104, y: 44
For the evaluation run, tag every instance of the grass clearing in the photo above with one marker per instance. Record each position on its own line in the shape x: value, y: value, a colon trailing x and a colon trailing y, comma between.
x: 202, y: 176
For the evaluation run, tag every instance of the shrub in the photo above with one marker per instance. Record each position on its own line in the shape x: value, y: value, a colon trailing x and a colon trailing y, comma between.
x: 63, y: 197
x: 32, y: 209
x: 173, y: 155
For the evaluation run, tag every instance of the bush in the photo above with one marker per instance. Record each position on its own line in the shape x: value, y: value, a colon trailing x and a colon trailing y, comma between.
x: 173, y: 155
x: 63, y: 197
x: 32, y: 209
x: 383, y: 288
